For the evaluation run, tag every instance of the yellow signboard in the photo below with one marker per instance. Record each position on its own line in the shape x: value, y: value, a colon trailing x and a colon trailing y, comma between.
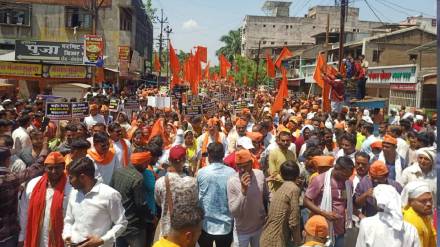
x: 20, y: 69
x: 67, y: 71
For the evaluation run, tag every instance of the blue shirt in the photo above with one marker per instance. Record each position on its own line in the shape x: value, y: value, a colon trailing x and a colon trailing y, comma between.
x: 149, y: 182
x: 212, y: 181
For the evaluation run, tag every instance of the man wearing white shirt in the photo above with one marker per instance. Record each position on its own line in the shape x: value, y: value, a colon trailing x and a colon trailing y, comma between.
x: 95, y: 215
x: 367, y: 131
x: 121, y: 145
x: 94, y: 117
x: 44, y: 205
x: 21, y: 138
x: 104, y: 156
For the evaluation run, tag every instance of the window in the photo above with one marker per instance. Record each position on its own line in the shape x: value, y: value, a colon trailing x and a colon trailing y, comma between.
x: 264, y: 42
x: 285, y: 42
x: 264, y: 25
x: 287, y: 26
x: 434, y: 22
x: 125, y: 19
x: 272, y: 43
x: 290, y: 26
x: 376, y: 56
x: 14, y: 14
x: 77, y: 17
x: 273, y: 26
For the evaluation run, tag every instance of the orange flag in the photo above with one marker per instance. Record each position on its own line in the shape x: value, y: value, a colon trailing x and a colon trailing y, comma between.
x: 285, y: 53
x: 206, y: 74
x: 270, y: 67
x: 319, y: 67
x: 282, y: 93
x: 245, y: 81
x: 156, y: 63
x: 174, y: 61
x: 224, y: 66
x: 203, y: 53
x: 159, y: 130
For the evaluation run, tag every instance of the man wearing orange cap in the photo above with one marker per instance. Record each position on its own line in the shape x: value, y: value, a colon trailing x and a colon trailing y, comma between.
x: 389, y: 155
x: 212, y: 135
x: 105, y: 112
x: 376, y: 149
x: 94, y: 117
x: 363, y: 196
x: 129, y: 182
x: 322, y: 163
x: 316, y: 231
x: 233, y: 136
x: 44, y: 204
x: 247, y: 195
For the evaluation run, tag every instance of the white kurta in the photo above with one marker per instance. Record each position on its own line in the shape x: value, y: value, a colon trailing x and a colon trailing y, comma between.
x: 374, y: 232
x: 98, y: 212
x: 104, y: 173
x: 120, y: 151
x: 92, y: 120
x: 22, y: 140
x: 24, y: 205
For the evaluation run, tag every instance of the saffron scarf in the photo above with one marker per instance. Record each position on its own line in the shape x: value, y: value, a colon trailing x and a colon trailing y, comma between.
x: 205, y: 145
x: 37, y: 205
x: 124, y: 152
x: 102, y: 160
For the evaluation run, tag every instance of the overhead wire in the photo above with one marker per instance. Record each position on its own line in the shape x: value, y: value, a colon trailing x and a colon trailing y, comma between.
x: 404, y: 8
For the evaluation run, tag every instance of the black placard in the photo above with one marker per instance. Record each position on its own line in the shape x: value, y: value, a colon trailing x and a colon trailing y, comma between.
x: 80, y: 109
x: 59, y: 111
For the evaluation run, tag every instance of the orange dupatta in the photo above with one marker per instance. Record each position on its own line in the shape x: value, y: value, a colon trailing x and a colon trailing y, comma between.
x: 102, y: 160
x: 35, y: 212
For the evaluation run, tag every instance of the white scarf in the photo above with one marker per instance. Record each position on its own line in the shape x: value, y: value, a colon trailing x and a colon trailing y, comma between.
x: 326, y: 202
x: 397, y: 165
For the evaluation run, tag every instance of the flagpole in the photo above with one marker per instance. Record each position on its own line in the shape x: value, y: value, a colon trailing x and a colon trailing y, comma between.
x: 341, y: 34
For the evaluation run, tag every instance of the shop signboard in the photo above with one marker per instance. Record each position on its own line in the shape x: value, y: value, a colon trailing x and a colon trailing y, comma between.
x: 67, y: 71
x: 62, y: 52
x: 20, y: 69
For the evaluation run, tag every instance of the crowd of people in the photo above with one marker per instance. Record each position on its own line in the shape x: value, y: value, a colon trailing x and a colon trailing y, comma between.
x: 235, y: 177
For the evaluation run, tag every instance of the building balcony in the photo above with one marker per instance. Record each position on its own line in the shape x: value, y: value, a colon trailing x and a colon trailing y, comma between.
x: 14, y: 31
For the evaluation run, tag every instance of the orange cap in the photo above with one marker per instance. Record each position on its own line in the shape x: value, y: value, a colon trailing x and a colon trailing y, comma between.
x: 54, y: 158
x: 140, y: 158
x: 245, y: 111
x: 282, y: 128
x: 293, y: 119
x: 212, y: 122
x: 255, y: 136
x: 323, y: 161
x: 317, y: 226
x: 390, y: 139
x: 104, y: 108
x: 376, y: 144
x: 242, y: 156
x: 378, y: 169
x: 241, y: 123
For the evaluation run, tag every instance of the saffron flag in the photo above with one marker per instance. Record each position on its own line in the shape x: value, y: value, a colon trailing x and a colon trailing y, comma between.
x: 270, y: 67
x: 282, y: 93
x: 156, y: 63
x: 285, y: 53
x: 319, y: 67
x: 206, y: 73
x: 225, y: 65
x: 174, y: 61
x: 203, y: 53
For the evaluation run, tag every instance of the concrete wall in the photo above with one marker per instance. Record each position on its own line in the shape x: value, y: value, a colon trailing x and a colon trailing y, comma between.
x: 297, y: 30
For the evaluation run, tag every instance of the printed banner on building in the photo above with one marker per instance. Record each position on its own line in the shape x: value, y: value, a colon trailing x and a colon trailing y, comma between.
x: 20, y: 69
x: 93, y: 49
x: 63, y: 52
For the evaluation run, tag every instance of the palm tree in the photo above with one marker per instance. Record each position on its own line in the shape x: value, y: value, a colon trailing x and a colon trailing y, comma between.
x: 232, y: 45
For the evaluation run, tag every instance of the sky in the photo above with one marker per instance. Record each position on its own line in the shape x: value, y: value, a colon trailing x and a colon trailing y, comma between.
x: 203, y: 22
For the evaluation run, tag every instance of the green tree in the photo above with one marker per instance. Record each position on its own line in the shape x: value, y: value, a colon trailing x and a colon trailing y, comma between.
x: 247, y: 68
x: 151, y: 12
x: 232, y: 44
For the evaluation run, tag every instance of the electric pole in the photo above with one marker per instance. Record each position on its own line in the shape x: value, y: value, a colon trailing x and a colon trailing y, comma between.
x: 161, y: 21
x: 341, y: 34
x: 258, y: 63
